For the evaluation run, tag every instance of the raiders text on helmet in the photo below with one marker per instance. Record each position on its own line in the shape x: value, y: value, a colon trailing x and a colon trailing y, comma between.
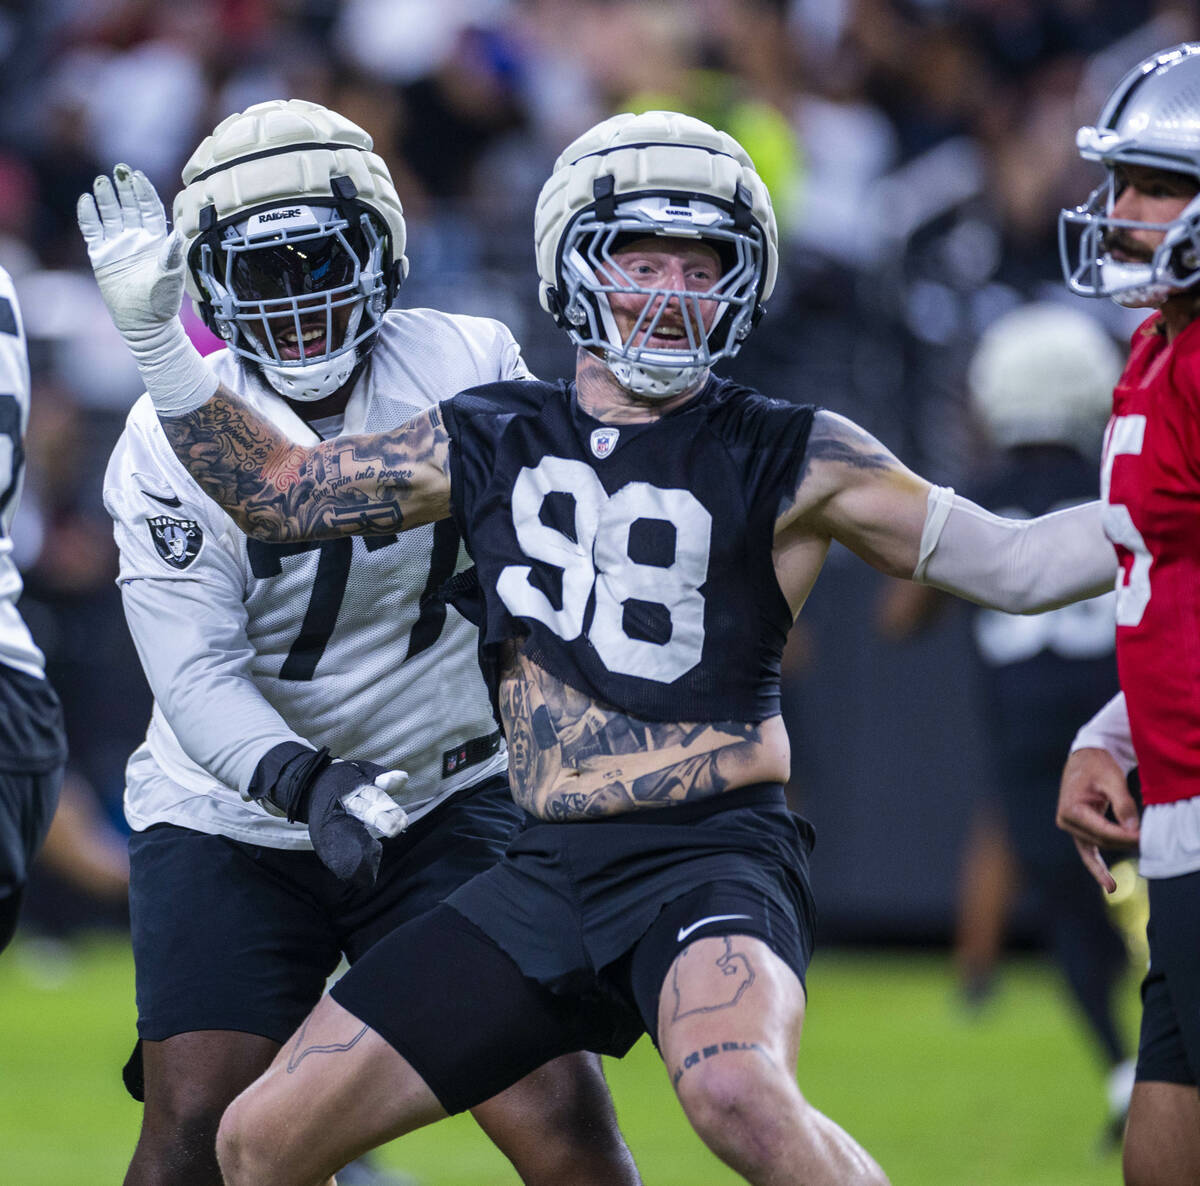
x: 1151, y: 119
x: 291, y: 226
x: 655, y: 174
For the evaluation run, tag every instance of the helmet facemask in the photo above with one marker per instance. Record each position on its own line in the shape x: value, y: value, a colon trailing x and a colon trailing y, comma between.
x: 1091, y: 271
x: 297, y: 290
x: 589, y: 274
x: 1149, y: 121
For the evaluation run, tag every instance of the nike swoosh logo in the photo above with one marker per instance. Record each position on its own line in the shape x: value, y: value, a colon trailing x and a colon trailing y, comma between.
x: 167, y: 502
x: 684, y: 932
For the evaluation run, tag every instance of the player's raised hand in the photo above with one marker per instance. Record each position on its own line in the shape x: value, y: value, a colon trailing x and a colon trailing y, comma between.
x: 138, y: 266
x: 1092, y: 783
x: 140, y: 269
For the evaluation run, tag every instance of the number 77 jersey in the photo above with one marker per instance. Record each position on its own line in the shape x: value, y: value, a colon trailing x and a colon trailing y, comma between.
x: 342, y: 642
x: 1150, y: 479
x: 634, y: 561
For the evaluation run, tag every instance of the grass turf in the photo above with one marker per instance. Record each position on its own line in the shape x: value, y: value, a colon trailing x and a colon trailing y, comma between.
x: 1011, y: 1097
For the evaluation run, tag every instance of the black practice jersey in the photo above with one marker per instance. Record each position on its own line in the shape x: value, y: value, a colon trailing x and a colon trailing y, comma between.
x: 634, y: 560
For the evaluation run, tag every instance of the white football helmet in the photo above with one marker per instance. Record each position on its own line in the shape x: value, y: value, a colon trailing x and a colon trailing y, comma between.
x: 1152, y: 118
x: 1044, y: 374
x: 288, y: 219
x: 660, y: 174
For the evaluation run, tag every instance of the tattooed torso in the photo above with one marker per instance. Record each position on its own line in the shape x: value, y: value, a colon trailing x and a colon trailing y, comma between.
x: 570, y: 756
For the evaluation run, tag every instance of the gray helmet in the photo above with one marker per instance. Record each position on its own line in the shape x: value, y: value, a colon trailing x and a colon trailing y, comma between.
x: 287, y: 216
x: 655, y: 174
x: 1151, y: 119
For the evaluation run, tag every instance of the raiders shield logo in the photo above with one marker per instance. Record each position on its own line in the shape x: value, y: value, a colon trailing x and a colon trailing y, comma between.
x: 177, y: 541
x: 604, y: 441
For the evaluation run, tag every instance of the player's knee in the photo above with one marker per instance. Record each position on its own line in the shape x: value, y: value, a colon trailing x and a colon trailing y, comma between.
x: 579, y: 1117
x: 740, y: 1104
x: 179, y: 1128
x: 242, y: 1152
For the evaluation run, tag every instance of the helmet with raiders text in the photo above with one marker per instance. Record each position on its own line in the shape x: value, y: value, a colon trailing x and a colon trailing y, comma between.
x: 295, y: 242
x: 1043, y: 373
x: 655, y: 174
x: 1151, y: 119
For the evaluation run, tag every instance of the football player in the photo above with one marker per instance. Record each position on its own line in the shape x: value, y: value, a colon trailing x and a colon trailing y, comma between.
x: 287, y: 677
x: 1138, y: 241
x: 643, y: 536
x: 33, y: 747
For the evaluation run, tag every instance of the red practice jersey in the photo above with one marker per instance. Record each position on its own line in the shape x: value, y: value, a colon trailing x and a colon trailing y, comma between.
x: 1150, y: 479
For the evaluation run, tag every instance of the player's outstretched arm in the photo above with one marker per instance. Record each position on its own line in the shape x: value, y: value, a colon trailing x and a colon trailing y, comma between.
x: 854, y: 490
x: 277, y: 490
x: 274, y: 489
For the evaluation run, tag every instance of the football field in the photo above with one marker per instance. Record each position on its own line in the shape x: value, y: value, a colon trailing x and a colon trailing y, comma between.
x: 1010, y: 1097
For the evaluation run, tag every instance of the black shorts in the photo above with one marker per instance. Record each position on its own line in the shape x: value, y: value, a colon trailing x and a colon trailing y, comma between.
x: 565, y: 944
x: 1169, y: 1043
x: 237, y: 936
x: 27, y: 803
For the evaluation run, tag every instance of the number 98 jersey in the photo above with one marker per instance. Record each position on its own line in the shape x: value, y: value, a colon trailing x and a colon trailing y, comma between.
x: 1150, y: 479
x: 634, y: 560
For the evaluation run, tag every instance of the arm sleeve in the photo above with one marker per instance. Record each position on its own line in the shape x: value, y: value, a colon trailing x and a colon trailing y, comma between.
x: 1021, y: 566
x: 196, y: 658
x: 512, y: 364
x: 188, y: 623
x: 1109, y: 730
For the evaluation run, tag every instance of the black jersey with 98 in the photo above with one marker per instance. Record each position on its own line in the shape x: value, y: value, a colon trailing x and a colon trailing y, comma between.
x: 634, y: 560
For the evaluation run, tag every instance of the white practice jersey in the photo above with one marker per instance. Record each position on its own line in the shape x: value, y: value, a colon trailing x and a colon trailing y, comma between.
x: 336, y: 642
x: 17, y: 648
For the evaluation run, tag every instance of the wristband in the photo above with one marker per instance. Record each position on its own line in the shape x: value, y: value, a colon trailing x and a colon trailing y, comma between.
x: 177, y: 378
x: 1109, y: 730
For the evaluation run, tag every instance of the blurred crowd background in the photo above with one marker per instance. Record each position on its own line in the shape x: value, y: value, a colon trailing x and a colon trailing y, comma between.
x: 918, y: 152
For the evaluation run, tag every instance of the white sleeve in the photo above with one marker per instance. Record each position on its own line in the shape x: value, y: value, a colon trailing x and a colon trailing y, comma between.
x: 14, y: 358
x: 1109, y: 730
x: 196, y: 659
x: 189, y: 622
x: 512, y: 364
x: 1021, y: 566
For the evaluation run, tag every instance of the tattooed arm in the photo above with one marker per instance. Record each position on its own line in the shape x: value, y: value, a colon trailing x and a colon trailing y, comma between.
x: 850, y: 488
x: 277, y: 490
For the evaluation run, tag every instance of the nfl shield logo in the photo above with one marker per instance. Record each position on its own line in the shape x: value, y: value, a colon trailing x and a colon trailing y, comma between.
x: 177, y: 541
x: 604, y: 441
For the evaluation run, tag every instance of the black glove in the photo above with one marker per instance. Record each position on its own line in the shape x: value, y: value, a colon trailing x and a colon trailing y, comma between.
x: 308, y: 785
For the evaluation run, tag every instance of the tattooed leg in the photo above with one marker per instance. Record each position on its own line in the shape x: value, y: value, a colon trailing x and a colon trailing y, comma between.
x: 729, y: 1020
x: 335, y: 1090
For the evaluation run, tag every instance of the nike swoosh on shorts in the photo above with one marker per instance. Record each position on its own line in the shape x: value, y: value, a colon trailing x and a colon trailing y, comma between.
x: 684, y: 932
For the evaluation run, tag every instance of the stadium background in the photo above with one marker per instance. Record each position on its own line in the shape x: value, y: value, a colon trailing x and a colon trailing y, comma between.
x: 917, y: 151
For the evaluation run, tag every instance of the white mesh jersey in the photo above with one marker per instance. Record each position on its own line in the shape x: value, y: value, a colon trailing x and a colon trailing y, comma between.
x: 247, y: 645
x: 17, y: 648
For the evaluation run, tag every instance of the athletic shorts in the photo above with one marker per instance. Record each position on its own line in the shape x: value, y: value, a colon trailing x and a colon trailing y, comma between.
x: 564, y: 945
x: 27, y: 803
x: 1169, y: 1043
x: 235, y: 936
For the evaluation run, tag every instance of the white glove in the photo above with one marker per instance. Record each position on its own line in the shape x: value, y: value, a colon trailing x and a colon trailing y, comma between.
x: 139, y: 269
x: 373, y: 804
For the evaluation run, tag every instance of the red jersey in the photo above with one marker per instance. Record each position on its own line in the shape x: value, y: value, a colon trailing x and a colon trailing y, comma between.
x: 1150, y: 479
